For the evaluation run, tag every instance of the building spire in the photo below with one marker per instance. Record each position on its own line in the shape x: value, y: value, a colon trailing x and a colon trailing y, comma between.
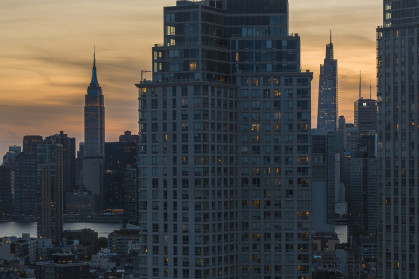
x: 94, y: 74
x: 360, y: 82
x: 330, y: 36
x: 370, y: 90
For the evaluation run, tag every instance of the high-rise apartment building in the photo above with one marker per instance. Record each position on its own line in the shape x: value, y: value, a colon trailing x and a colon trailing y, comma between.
x: 327, y: 115
x: 94, y: 138
x: 398, y: 172
x: 224, y: 146
x: 50, y: 191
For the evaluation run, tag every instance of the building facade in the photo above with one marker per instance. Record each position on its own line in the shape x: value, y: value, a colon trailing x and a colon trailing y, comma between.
x: 324, y: 181
x: 26, y: 185
x: 118, y: 155
x: 365, y: 115
x: 94, y: 138
x: 327, y: 115
x: 50, y: 191
x: 397, y: 65
x: 6, y: 188
x: 224, y: 146
x: 69, y: 162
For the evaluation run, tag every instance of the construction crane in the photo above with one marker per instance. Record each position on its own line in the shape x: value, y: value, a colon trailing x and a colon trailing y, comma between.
x: 142, y: 74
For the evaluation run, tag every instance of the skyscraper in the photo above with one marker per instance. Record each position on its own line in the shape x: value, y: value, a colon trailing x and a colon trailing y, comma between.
x: 6, y: 187
x: 94, y: 137
x: 327, y: 115
x: 365, y: 114
x: 398, y: 172
x: 69, y: 160
x: 50, y: 190
x: 25, y: 192
x: 224, y: 186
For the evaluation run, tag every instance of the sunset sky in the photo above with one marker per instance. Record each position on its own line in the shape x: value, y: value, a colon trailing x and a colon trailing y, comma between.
x: 46, y: 50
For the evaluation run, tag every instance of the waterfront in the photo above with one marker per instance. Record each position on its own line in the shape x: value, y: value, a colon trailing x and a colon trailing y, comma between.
x: 17, y: 228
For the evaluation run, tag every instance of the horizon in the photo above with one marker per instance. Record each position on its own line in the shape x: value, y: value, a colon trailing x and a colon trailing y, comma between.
x: 47, y: 67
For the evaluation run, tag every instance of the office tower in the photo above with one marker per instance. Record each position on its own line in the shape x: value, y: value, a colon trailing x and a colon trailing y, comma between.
x: 397, y: 66
x: 118, y: 155
x: 6, y: 188
x: 69, y: 161
x: 9, y: 157
x: 50, y: 191
x: 128, y: 137
x: 352, y: 136
x: 94, y: 138
x: 362, y: 202
x: 327, y: 115
x: 224, y: 143
x: 365, y: 114
x: 30, y: 142
x: 342, y: 129
x: 25, y: 192
x: 323, y: 181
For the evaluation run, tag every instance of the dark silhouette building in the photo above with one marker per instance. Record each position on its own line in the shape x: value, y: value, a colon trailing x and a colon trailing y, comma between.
x: 118, y: 155
x: 94, y: 138
x: 69, y: 161
x: 26, y: 187
x: 397, y: 144
x: 224, y: 145
x: 6, y: 187
x: 327, y: 115
x: 128, y: 137
x: 365, y: 114
x: 50, y: 191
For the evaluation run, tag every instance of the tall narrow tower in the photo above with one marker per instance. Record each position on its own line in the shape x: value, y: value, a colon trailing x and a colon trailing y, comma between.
x: 397, y: 148
x: 328, y: 91
x: 94, y: 136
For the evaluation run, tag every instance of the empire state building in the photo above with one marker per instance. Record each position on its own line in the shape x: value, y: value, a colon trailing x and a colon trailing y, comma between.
x: 94, y: 137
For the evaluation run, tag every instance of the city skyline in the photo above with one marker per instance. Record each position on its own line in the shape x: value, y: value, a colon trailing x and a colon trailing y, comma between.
x: 54, y: 60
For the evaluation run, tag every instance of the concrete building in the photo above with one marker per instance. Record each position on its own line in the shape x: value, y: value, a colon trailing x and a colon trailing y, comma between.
x: 50, y: 187
x: 398, y: 172
x: 327, y: 115
x: 224, y: 146
x: 120, y: 241
x: 94, y: 138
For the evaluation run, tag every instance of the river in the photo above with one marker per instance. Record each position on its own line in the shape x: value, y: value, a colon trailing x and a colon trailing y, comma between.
x: 17, y: 228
